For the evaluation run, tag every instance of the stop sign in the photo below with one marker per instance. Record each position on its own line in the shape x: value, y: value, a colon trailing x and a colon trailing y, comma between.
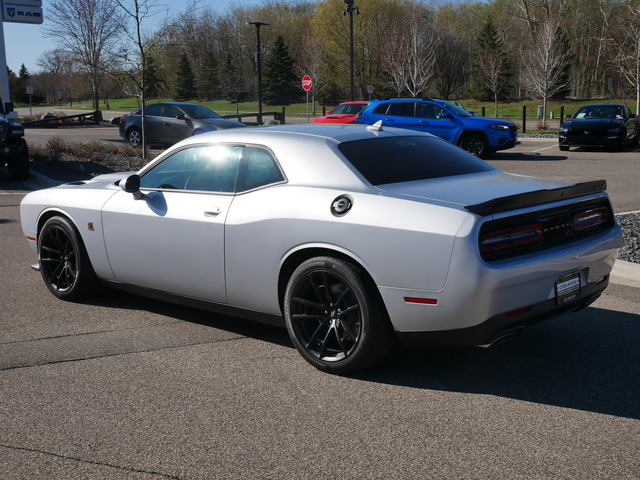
x: 307, y: 83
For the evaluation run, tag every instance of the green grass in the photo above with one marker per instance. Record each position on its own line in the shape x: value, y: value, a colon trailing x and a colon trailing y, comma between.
x: 509, y: 110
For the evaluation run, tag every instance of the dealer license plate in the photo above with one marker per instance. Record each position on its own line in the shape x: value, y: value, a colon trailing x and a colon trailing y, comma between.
x: 568, y: 288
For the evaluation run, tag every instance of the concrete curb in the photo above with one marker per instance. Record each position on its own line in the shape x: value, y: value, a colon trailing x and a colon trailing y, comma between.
x: 626, y: 273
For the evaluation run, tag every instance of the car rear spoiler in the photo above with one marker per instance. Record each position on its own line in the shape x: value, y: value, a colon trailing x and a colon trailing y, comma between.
x: 529, y: 199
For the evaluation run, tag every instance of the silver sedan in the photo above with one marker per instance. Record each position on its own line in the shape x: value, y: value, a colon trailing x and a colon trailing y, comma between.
x: 354, y: 237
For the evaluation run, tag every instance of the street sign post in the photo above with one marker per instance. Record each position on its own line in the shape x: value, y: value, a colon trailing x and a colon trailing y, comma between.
x: 307, y: 84
x: 15, y: 11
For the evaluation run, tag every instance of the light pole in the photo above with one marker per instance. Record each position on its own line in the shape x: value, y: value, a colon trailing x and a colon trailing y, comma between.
x: 259, y: 67
x: 350, y: 9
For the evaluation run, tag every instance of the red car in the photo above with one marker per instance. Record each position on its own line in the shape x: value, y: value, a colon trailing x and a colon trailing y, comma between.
x: 344, y: 113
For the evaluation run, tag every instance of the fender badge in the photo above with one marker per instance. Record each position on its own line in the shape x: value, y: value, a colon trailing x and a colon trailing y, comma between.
x: 90, y: 227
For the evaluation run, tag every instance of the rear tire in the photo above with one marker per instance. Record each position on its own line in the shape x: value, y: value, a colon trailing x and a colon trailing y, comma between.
x: 19, y: 165
x: 134, y: 137
x: 563, y: 148
x: 335, y: 316
x: 64, y: 262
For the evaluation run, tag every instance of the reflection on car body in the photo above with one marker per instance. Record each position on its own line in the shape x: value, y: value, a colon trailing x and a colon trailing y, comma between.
x: 351, y: 236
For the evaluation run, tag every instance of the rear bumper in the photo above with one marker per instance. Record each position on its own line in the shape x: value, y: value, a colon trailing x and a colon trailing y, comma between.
x: 504, y: 325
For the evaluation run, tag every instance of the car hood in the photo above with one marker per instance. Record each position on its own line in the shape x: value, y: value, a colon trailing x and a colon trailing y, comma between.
x: 340, y: 118
x: 593, y: 123
x: 471, y: 189
x: 220, y: 122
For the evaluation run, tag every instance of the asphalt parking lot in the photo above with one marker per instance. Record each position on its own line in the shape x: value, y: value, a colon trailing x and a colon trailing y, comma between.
x: 121, y: 387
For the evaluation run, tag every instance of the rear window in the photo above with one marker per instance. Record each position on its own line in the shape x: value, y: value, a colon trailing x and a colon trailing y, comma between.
x: 405, y: 159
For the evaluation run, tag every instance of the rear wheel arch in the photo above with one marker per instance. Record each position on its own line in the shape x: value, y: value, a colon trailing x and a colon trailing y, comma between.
x: 294, y: 260
x: 334, y: 313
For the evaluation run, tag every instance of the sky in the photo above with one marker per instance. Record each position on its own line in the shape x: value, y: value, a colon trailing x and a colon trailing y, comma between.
x: 24, y: 43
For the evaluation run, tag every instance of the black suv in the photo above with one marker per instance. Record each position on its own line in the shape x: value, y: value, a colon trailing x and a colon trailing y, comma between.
x: 13, y: 147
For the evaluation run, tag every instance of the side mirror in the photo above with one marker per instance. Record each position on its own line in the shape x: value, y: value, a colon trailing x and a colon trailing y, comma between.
x: 182, y: 116
x: 8, y: 107
x: 567, y: 116
x: 446, y: 115
x: 131, y: 184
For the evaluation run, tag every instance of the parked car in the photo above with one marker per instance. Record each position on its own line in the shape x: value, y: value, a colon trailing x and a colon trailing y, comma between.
x: 168, y: 123
x: 351, y: 236
x: 481, y: 136
x: 344, y: 113
x: 600, y: 125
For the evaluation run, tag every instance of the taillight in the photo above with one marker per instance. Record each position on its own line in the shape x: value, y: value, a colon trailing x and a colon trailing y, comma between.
x: 585, y: 219
x: 512, y: 237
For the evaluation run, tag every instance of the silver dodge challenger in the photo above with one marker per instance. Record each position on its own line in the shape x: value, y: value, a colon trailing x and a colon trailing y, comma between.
x: 354, y: 237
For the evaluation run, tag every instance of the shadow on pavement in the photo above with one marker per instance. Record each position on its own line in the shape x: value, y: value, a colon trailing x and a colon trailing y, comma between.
x: 586, y: 360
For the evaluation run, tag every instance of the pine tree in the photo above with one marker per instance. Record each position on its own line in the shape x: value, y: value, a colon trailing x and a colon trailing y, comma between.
x: 185, y: 80
x: 209, y: 80
x: 230, y: 80
x: 491, y: 71
x: 279, y: 78
x: 152, y: 81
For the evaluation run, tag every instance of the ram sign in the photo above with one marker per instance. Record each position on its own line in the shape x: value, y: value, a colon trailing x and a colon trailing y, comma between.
x: 22, y: 11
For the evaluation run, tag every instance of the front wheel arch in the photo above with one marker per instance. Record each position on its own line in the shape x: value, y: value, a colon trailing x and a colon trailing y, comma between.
x: 474, y: 142
x: 64, y: 263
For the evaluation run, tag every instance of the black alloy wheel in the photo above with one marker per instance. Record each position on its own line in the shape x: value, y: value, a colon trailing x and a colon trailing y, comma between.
x: 64, y: 263
x: 335, y: 316
x: 475, y: 144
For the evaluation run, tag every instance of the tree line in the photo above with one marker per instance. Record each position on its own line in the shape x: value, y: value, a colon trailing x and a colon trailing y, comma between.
x: 493, y: 50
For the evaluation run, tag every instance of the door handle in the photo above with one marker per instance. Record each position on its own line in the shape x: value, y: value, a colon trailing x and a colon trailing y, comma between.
x: 214, y: 212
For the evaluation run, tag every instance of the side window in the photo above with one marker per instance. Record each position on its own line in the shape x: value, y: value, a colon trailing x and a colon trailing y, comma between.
x: 154, y: 110
x: 426, y: 110
x: 401, y: 109
x: 437, y: 111
x: 258, y: 169
x: 381, y: 109
x: 171, y: 111
x: 202, y: 168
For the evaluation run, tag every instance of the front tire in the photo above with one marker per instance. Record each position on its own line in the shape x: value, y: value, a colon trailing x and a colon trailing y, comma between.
x: 475, y: 144
x: 64, y: 262
x: 335, y: 316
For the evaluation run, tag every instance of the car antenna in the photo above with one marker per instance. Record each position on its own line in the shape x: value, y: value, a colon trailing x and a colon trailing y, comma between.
x: 376, y: 127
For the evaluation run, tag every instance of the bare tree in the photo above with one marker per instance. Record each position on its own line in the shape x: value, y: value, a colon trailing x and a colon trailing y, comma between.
x: 310, y: 63
x: 627, y: 50
x: 546, y: 63
x: 88, y: 30
x: 136, y: 13
x: 409, y: 53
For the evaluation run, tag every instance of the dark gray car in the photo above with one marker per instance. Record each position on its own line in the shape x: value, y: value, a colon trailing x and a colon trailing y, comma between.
x: 168, y: 123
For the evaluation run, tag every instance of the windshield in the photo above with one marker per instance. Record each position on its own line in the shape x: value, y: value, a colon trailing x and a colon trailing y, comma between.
x: 348, y: 109
x: 452, y: 107
x: 199, y: 112
x: 600, y: 111
x: 405, y: 159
